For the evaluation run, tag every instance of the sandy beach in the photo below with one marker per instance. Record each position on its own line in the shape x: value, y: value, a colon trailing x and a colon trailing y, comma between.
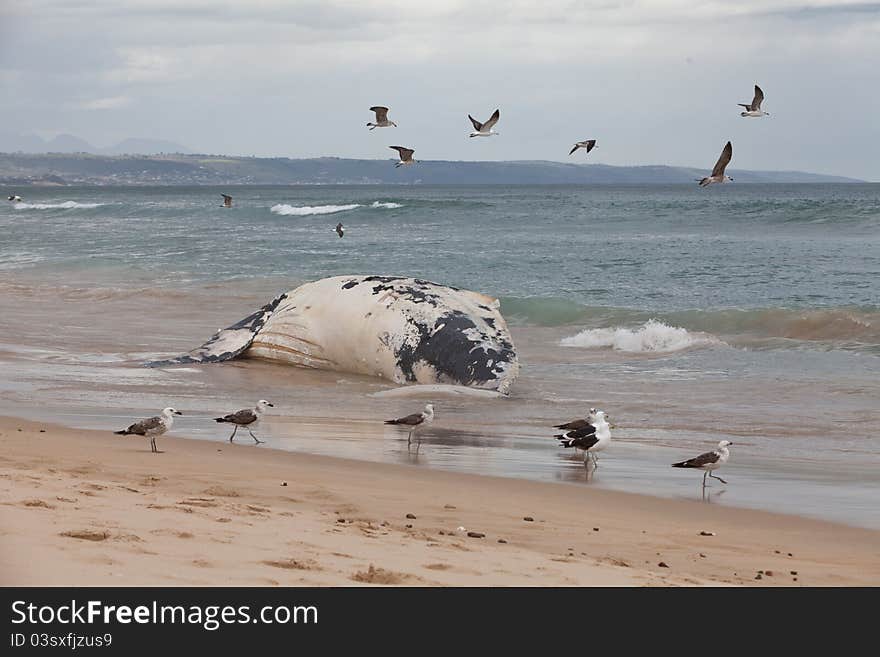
x: 84, y: 507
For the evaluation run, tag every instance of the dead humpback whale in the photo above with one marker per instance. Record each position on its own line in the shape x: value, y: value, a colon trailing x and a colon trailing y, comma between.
x: 405, y: 330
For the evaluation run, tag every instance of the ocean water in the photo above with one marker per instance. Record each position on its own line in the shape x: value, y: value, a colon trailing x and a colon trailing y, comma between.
x: 741, y: 312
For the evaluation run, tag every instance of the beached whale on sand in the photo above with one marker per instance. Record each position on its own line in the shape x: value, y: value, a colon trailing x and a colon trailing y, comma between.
x: 405, y: 330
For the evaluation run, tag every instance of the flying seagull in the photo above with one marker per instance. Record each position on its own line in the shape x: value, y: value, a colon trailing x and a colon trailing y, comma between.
x: 717, y: 175
x: 589, y: 144
x: 340, y: 229
x: 415, y: 421
x: 381, y: 118
x: 592, y: 438
x: 755, y: 108
x: 709, y: 461
x: 247, y: 418
x: 152, y: 427
x: 227, y: 200
x: 485, y: 129
x: 406, y: 155
x: 15, y: 198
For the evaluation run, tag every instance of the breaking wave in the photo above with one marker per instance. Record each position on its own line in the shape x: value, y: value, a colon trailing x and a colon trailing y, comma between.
x: 651, y: 337
x: 66, y: 205
x: 306, y: 210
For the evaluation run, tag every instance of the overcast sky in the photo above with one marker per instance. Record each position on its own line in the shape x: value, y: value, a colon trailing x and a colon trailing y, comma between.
x: 655, y: 81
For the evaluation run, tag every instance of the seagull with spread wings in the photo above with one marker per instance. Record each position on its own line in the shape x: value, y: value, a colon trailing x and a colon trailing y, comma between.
x: 588, y: 145
x: 381, y: 118
x: 754, y: 109
x: 717, y: 175
x: 485, y: 129
x: 406, y: 156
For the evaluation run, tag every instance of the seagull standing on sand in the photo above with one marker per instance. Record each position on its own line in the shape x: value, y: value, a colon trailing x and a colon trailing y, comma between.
x: 592, y: 437
x: 485, y: 129
x: 340, y: 229
x: 152, y: 427
x: 406, y: 155
x: 754, y: 109
x: 381, y: 118
x: 709, y: 461
x: 227, y: 200
x: 415, y: 421
x: 247, y: 418
x: 717, y: 175
x: 589, y: 145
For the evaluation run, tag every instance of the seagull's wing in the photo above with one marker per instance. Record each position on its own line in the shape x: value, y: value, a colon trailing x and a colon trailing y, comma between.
x: 576, y: 146
x: 758, y: 99
x: 381, y: 113
x: 410, y: 420
x: 140, y: 428
x: 591, y: 144
x: 699, y: 461
x: 723, y: 161
x: 405, y: 153
x: 244, y: 416
x: 477, y: 125
x: 492, y: 120
x: 583, y: 443
x: 574, y: 424
x: 226, y: 197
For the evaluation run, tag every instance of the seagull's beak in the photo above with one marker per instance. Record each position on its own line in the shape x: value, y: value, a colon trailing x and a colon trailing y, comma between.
x: 178, y: 413
x: 272, y: 405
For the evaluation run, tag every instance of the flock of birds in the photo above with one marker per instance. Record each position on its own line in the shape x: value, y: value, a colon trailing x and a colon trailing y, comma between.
x: 590, y: 435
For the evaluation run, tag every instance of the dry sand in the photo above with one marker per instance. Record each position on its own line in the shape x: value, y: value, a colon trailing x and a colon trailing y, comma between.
x: 89, y: 508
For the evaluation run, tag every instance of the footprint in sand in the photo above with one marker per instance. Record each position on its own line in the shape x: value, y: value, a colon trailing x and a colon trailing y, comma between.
x: 221, y: 491
x: 375, y: 575
x: 293, y: 564
x: 39, y: 504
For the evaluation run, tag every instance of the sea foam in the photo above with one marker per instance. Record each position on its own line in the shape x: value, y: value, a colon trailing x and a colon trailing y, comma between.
x: 306, y: 210
x: 66, y: 205
x: 652, y: 337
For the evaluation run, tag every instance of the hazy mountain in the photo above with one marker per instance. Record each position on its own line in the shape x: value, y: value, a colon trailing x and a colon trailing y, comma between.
x: 230, y: 170
x: 64, y: 143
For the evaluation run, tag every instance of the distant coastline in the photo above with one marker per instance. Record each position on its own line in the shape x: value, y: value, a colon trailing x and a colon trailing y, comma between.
x: 61, y: 169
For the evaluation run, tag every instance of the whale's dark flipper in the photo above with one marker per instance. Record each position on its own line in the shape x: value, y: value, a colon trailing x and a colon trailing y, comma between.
x: 228, y: 343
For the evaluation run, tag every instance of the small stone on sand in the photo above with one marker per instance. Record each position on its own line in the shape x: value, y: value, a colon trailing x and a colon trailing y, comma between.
x: 476, y: 535
x: 663, y: 564
x: 528, y: 519
x: 283, y: 483
x: 410, y: 516
x: 501, y: 540
x: 707, y: 533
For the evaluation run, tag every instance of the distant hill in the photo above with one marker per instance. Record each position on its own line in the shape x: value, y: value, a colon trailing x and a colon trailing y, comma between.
x: 65, y: 143
x: 180, y: 169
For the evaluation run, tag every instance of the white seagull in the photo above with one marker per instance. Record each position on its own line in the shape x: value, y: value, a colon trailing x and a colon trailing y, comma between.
x: 717, y: 175
x: 152, y: 427
x: 247, y: 418
x: 755, y: 108
x: 406, y: 155
x: 589, y: 145
x: 381, y: 118
x: 15, y: 198
x: 415, y: 421
x: 485, y: 129
x: 592, y: 437
x: 709, y: 461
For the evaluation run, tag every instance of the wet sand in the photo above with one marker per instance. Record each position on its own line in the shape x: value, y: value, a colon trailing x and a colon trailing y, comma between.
x: 82, y: 507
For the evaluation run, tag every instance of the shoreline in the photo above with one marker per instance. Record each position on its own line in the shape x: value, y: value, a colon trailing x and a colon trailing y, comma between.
x: 84, y: 507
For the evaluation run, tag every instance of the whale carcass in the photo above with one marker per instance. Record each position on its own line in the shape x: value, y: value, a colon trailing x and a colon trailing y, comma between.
x: 405, y: 330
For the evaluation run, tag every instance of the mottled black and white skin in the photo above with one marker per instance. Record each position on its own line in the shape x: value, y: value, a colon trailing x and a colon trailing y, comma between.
x: 152, y: 427
x: 404, y: 330
x: 247, y: 418
x: 414, y: 421
x: 708, y: 461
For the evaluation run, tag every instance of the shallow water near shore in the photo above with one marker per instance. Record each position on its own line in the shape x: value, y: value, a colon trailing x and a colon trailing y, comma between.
x: 748, y: 313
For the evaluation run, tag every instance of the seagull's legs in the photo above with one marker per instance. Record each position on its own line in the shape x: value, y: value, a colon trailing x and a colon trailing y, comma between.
x: 705, y: 474
x: 153, y: 447
x: 718, y: 478
x: 409, y: 437
x: 256, y: 440
x: 233, y: 433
